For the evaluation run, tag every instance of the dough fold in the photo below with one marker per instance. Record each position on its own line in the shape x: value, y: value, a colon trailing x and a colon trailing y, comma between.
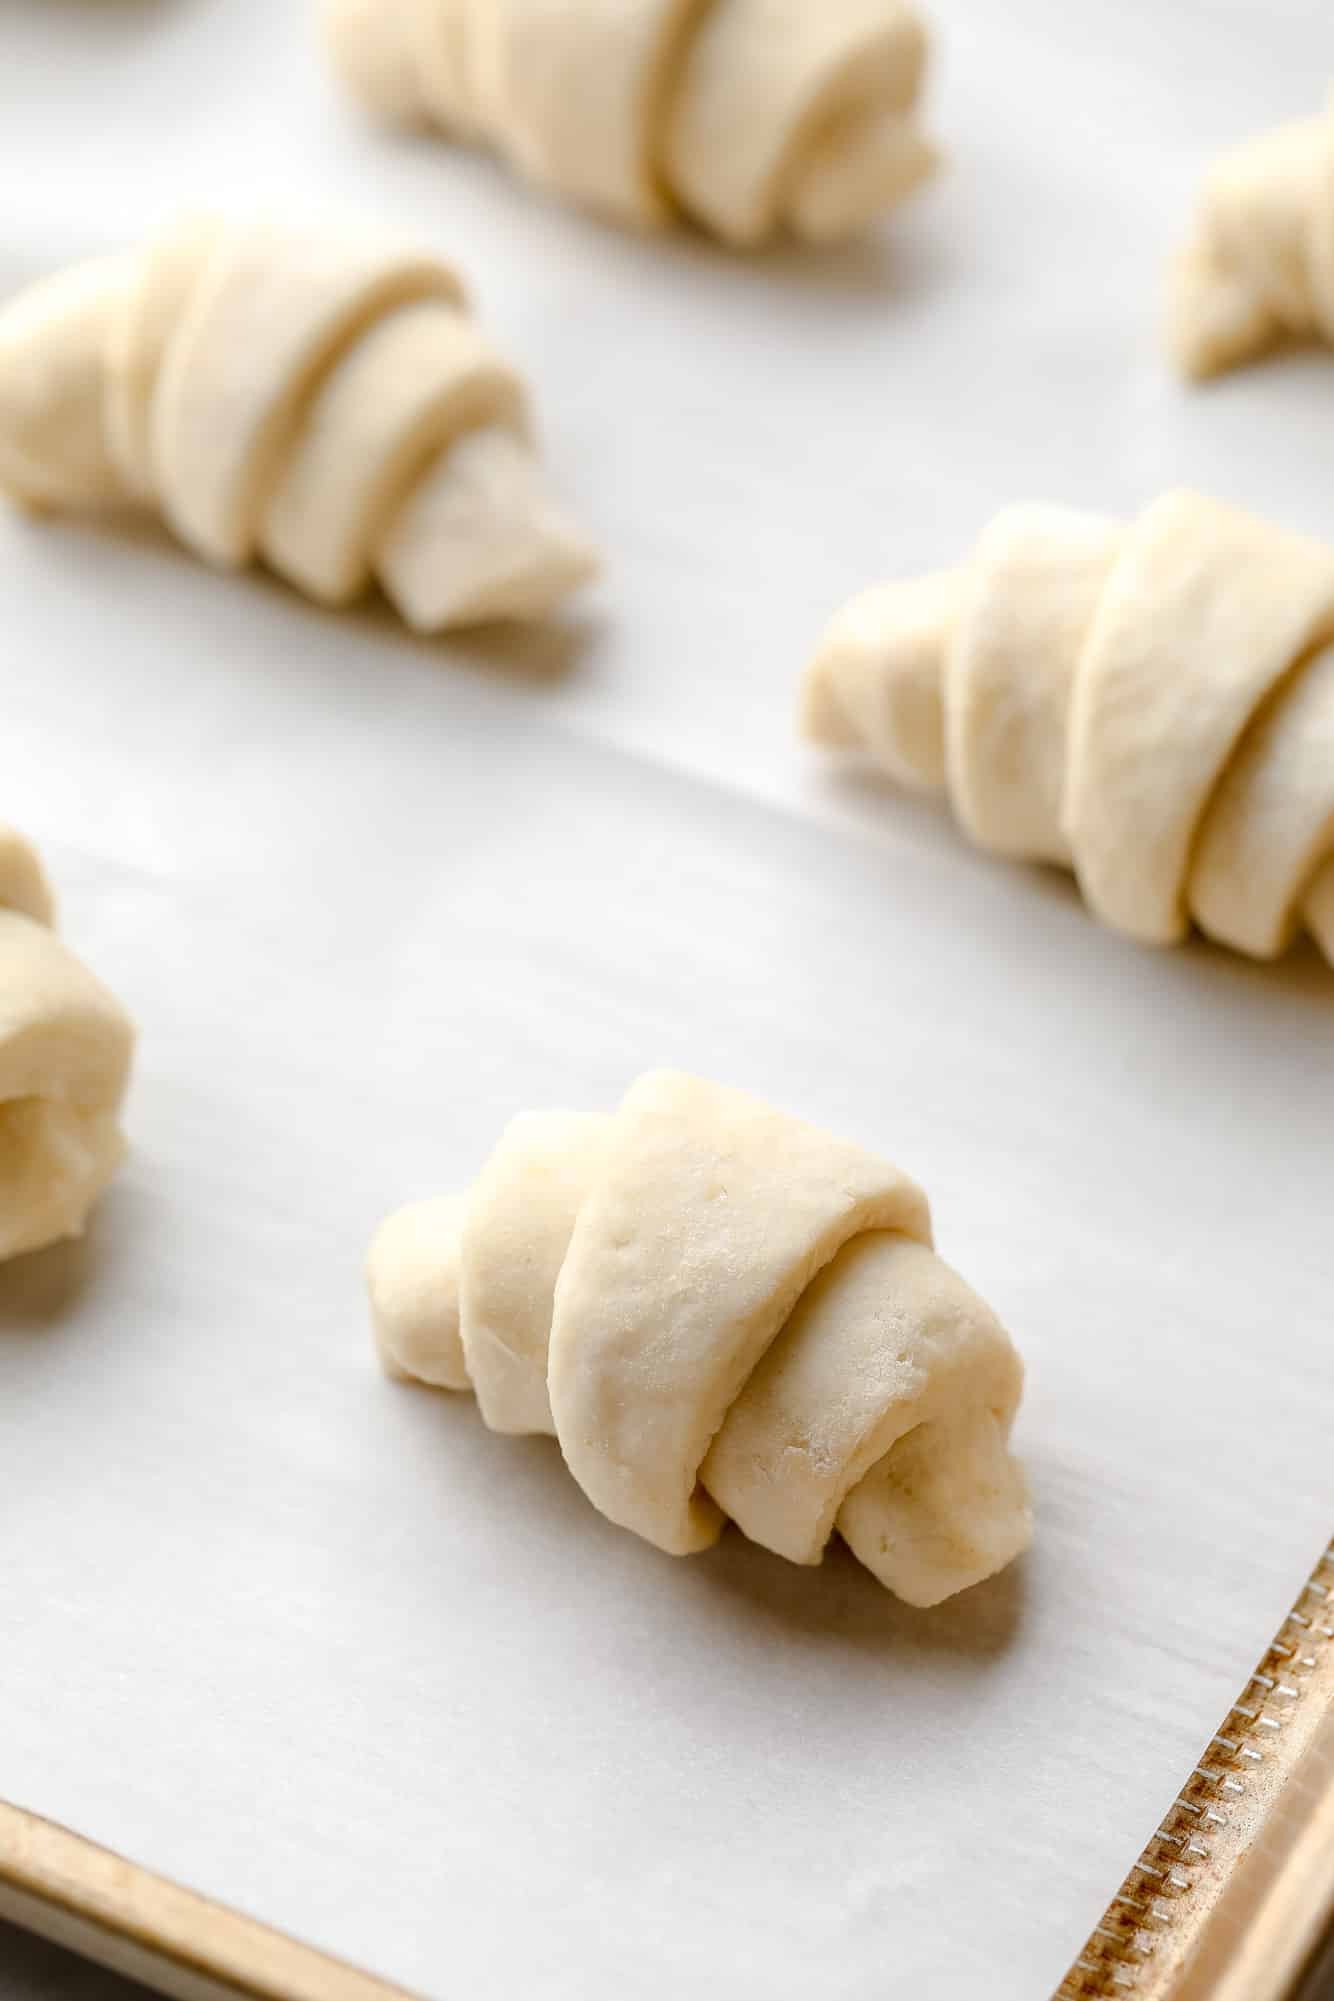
x: 315, y: 396
x: 720, y: 1312
x: 1258, y: 267
x: 749, y: 116
x: 65, y: 1050
x: 1149, y: 705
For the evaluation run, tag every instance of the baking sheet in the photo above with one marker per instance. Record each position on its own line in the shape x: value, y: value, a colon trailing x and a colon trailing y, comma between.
x: 322, y: 1646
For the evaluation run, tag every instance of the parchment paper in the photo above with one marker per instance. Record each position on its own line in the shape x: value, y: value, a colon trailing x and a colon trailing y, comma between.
x: 323, y: 1646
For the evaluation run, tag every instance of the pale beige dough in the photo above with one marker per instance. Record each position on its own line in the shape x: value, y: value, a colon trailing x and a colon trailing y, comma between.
x: 1258, y: 268
x: 521, y: 1213
x: 65, y: 1050
x: 720, y: 1312
x: 1151, y: 705
x: 750, y: 116
x: 412, y: 1274
x: 53, y: 340
x: 315, y: 395
x: 23, y: 884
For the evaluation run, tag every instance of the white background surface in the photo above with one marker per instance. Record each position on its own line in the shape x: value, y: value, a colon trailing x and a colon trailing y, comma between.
x: 324, y: 1647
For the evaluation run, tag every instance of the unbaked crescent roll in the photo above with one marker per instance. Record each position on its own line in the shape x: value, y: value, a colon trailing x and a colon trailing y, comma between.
x: 1259, y: 266
x: 317, y: 396
x: 720, y: 1312
x: 1151, y: 706
x: 749, y: 116
x: 65, y: 1048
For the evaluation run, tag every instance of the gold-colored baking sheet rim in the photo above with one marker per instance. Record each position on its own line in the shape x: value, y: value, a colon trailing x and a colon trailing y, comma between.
x: 83, y: 1897
x: 1231, y: 1898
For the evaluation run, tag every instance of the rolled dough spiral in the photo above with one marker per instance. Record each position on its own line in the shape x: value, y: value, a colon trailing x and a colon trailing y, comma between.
x: 316, y: 396
x: 1151, y: 706
x: 1259, y: 265
x: 65, y: 1048
x: 749, y: 116
x: 720, y: 1312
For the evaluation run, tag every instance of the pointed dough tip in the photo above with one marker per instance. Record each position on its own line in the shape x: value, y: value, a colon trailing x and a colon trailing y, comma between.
x: 820, y: 716
x: 479, y: 542
x: 1213, y: 322
x: 52, y: 338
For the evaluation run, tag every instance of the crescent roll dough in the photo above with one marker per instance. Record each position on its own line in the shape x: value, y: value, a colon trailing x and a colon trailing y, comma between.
x: 65, y: 1048
x: 315, y: 396
x: 719, y: 1311
x: 749, y: 116
x: 1259, y: 266
x: 1151, y: 706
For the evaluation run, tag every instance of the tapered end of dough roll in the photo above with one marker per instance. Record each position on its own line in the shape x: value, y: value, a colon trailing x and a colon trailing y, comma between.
x: 1214, y: 320
x: 946, y: 1507
x: 373, y: 45
x: 23, y: 883
x: 850, y: 180
x: 478, y: 541
x: 821, y: 717
x: 412, y: 1277
x: 65, y: 1051
x: 55, y: 1161
x: 52, y: 342
x: 875, y: 682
